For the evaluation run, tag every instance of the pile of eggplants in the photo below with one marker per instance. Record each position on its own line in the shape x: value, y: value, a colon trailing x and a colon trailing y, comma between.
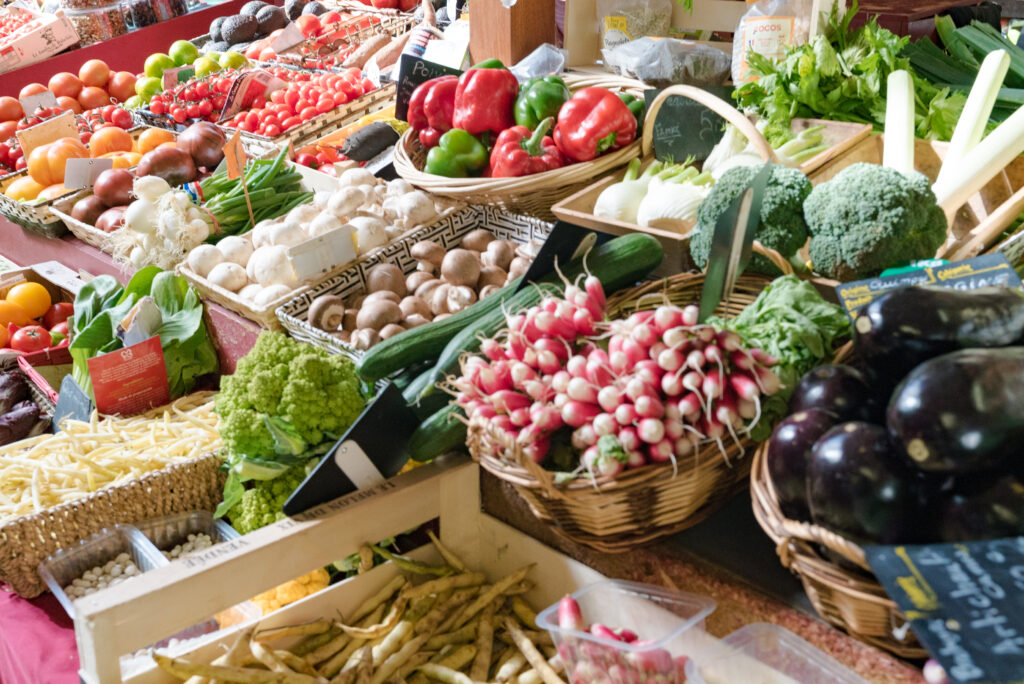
x: 923, y: 440
x: 20, y: 417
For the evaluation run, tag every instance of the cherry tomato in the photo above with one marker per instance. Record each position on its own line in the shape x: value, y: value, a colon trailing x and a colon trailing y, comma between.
x: 368, y: 85
x: 108, y: 113
x: 30, y: 338
x: 122, y: 118
x: 193, y: 111
x: 252, y: 118
x: 62, y: 328
x: 273, y: 130
x: 22, y: 163
x: 307, y: 113
x: 58, y: 313
x: 178, y: 114
x: 202, y: 89
x: 324, y: 105
x: 290, y: 122
x: 339, y: 99
x: 292, y: 97
x: 157, y: 107
x: 244, y: 126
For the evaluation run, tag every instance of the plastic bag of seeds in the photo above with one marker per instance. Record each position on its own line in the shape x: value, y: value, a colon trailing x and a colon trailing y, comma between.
x: 624, y: 20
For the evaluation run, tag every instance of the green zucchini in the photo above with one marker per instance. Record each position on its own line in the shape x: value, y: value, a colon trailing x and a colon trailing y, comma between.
x: 440, y: 433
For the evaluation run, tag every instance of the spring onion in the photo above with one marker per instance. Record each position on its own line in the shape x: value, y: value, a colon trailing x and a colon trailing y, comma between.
x: 898, y: 151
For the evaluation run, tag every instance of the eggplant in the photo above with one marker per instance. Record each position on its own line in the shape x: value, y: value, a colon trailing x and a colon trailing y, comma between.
x: 980, y: 508
x: 910, y: 325
x: 13, y: 389
x: 840, y: 390
x: 962, y: 412
x: 19, y: 422
x: 789, y: 452
x: 858, y: 488
x: 369, y: 141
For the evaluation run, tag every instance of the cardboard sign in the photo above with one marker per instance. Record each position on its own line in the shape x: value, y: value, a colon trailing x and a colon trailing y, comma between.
x: 287, y: 39
x: 82, y: 173
x: 565, y: 242
x: 72, y: 403
x: 322, y: 254
x: 413, y: 71
x: 234, y: 156
x: 246, y: 88
x: 30, y: 103
x: 60, y: 126
x: 372, y: 450
x: 172, y: 77
x: 686, y: 128
x: 965, y: 602
x: 984, y: 271
x: 130, y: 380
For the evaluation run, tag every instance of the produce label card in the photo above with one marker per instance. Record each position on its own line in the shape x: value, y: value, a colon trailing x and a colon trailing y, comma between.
x: 60, y: 126
x: 82, y: 173
x: 322, y: 254
x: 246, y: 88
x: 235, y: 157
x: 30, y: 103
x: 965, y: 602
x: 130, y: 380
x: 684, y: 128
x: 989, y: 270
x: 172, y: 77
x: 412, y: 71
x: 289, y: 38
x: 72, y: 403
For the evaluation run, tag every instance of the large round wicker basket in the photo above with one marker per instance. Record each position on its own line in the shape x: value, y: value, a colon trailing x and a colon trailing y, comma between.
x: 534, y: 194
x: 846, y: 595
x: 638, y: 506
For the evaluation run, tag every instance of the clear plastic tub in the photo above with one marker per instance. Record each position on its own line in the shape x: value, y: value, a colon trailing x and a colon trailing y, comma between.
x: 67, y: 565
x: 172, y: 530
x: 661, y: 619
x: 790, y: 659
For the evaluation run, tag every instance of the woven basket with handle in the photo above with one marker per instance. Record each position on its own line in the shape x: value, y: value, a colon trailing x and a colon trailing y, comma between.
x: 637, y: 506
x: 847, y: 594
x: 532, y: 195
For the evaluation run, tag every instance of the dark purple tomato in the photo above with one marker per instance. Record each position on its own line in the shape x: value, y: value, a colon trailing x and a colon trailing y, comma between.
x: 789, y: 452
x: 855, y: 486
x: 982, y: 508
x: 840, y: 390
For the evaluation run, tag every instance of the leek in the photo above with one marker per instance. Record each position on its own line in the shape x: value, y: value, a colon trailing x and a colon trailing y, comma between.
x: 898, y: 150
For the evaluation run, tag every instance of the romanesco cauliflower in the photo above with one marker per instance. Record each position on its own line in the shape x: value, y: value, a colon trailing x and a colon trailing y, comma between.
x: 261, y: 504
x: 315, y: 393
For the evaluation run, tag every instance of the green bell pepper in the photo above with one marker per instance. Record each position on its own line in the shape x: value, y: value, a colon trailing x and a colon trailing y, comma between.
x: 638, y: 106
x: 457, y: 155
x: 492, y: 63
x: 538, y: 99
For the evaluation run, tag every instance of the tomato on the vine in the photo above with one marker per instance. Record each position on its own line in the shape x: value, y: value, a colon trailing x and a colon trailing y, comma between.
x: 31, y: 338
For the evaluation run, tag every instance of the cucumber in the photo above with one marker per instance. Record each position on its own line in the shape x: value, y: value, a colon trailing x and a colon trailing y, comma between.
x: 422, y: 402
x: 440, y: 433
x: 618, y: 263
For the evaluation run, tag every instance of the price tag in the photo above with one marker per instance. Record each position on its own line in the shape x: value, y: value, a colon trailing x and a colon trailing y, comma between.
x: 130, y: 380
x: 411, y: 72
x: 72, y: 403
x: 322, y: 254
x: 684, y: 127
x: 172, y: 77
x: 31, y: 103
x: 246, y: 88
x: 60, y: 126
x: 287, y: 39
x: 82, y: 173
x: 234, y: 156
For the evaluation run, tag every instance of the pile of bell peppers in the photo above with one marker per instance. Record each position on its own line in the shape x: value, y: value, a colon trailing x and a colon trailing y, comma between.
x: 485, y: 123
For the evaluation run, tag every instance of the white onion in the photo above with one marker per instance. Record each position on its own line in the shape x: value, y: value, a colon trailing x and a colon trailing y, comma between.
x: 150, y: 187
x: 140, y: 216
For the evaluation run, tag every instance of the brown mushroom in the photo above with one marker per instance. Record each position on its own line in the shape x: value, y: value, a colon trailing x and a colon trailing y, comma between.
x: 365, y: 338
x: 439, y: 299
x: 426, y: 289
x: 375, y: 315
x: 477, y: 240
x: 414, y: 305
x: 499, y: 253
x: 491, y: 275
x: 459, y: 297
x: 429, y: 254
x: 386, y: 277
x: 416, y: 320
x: 415, y: 279
x: 349, y: 322
x: 441, y: 317
x: 343, y: 335
x: 460, y: 267
x: 326, y: 312
x: 390, y: 330
x: 382, y: 295
x: 488, y: 290
x: 518, y: 267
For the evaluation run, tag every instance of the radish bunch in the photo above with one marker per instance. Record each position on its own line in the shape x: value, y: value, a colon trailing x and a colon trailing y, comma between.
x: 646, y: 389
x: 599, y: 663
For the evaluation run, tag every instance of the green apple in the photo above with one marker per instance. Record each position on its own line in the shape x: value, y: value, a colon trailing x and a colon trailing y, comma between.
x: 147, y: 87
x: 233, y: 60
x: 206, y: 66
x: 183, y: 52
x: 156, y: 63
x: 133, y: 102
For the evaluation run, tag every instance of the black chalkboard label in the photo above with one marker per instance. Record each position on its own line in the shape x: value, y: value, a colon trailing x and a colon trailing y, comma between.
x: 684, y: 127
x: 965, y: 602
x: 565, y: 242
x: 989, y: 270
x: 411, y: 72
x: 72, y: 403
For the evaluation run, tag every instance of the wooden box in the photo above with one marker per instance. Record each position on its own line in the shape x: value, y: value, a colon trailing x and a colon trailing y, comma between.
x: 510, y: 33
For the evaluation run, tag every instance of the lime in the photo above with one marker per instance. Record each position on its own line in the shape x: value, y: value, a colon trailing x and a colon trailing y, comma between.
x: 156, y: 63
x: 206, y: 66
x: 183, y: 52
x: 233, y: 60
x: 147, y: 87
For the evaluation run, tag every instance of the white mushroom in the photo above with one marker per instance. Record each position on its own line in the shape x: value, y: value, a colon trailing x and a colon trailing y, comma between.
x: 416, y: 208
x: 287, y: 234
x: 270, y: 266
x: 228, y: 275
x: 399, y: 187
x: 356, y: 176
x: 271, y: 294
x: 346, y: 201
x: 250, y: 291
x: 203, y: 259
x: 370, y: 233
x: 261, y: 232
x: 236, y: 249
x: 324, y: 223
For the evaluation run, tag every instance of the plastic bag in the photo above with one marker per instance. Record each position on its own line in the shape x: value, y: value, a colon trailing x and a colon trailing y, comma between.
x: 768, y: 28
x: 624, y: 20
x: 669, y: 61
x: 546, y: 59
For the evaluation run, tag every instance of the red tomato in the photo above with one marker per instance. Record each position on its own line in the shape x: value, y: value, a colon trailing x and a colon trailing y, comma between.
x: 252, y: 118
x: 292, y: 97
x: 108, y: 113
x: 339, y: 99
x: 273, y: 130
x: 277, y: 97
x: 122, y: 118
x: 324, y: 104
x: 30, y: 338
x: 307, y: 113
x: 331, y: 17
x: 290, y: 122
x: 58, y: 313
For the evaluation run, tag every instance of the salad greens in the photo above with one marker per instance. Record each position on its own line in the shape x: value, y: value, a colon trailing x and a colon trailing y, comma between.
x: 841, y: 75
x: 103, y: 302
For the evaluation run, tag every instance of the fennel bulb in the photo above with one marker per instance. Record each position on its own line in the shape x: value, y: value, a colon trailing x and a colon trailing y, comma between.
x: 621, y: 201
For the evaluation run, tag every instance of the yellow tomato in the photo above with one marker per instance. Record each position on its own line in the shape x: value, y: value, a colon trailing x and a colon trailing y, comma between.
x: 12, y: 313
x: 32, y: 298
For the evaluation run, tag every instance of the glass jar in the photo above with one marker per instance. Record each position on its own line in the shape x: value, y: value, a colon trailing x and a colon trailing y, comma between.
x: 97, y: 24
x: 178, y: 7
x: 143, y: 13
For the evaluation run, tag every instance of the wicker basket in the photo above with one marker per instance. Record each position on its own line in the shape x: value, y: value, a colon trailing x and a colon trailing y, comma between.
x: 850, y: 599
x: 36, y: 217
x: 533, y: 195
x: 639, y: 506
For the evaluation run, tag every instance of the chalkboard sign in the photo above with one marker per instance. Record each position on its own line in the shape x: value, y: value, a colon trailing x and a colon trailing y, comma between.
x: 983, y: 271
x: 565, y: 242
x: 412, y: 71
x: 684, y: 127
x: 965, y: 602
x: 72, y: 403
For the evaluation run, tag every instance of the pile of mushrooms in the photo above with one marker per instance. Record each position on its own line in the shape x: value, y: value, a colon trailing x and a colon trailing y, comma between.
x: 444, y: 283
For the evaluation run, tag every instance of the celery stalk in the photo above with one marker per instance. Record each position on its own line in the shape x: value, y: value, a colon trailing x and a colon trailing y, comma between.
x: 971, y: 126
x: 898, y: 151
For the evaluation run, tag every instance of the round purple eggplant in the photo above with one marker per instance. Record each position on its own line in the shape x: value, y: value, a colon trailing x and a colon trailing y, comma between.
x: 789, y: 452
x: 857, y: 488
x: 962, y: 412
x: 982, y: 509
x: 841, y: 390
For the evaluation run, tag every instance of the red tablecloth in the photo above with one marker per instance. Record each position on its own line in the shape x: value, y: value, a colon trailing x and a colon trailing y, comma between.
x: 37, y: 641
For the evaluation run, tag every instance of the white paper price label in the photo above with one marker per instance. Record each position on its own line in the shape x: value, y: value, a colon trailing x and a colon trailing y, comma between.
x: 61, y: 126
x: 289, y: 38
x: 172, y: 77
x: 323, y: 254
x: 30, y: 103
x: 356, y: 465
x: 82, y: 173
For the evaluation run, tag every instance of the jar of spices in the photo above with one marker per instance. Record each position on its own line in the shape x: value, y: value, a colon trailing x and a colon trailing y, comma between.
x: 144, y: 13
x: 178, y: 7
x: 82, y: 4
x: 97, y: 24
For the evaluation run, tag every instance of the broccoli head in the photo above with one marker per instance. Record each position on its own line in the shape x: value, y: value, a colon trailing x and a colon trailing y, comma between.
x: 869, y: 218
x: 782, y: 225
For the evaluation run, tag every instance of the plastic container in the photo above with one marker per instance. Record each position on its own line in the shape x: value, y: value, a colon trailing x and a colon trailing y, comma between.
x: 772, y: 646
x: 67, y: 565
x: 660, y: 618
x: 167, y: 532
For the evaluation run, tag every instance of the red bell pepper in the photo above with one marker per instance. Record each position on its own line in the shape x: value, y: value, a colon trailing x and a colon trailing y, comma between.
x: 518, y: 152
x: 593, y: 121
x: 484, y: 100
x: 430, y: 108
